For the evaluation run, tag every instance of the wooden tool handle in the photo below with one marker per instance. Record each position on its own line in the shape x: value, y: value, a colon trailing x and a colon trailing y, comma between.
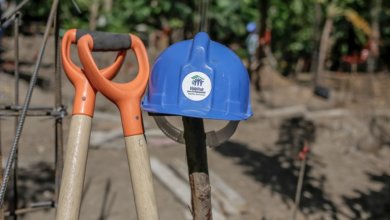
x: 74, y: 168
x: 141, y: 177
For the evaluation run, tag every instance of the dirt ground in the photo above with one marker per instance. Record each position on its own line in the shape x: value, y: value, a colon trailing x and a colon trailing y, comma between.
x: 347, y: 176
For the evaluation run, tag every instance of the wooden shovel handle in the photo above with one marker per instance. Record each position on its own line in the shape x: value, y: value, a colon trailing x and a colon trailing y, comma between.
x: 74, y: 168
x: 141, y: 177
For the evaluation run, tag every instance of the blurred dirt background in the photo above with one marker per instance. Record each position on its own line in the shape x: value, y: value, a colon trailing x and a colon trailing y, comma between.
x: 348, y: 172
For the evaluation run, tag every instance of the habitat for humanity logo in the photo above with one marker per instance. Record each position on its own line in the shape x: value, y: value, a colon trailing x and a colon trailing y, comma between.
x: 197, y: 80
x: 196, y: 86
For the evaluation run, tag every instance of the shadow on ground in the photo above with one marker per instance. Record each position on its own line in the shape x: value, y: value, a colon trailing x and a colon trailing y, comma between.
x: 279, y: 173
x: 108, y: 201
x: 278, y: 168
x: 36, y: 185
x: 373, y: 204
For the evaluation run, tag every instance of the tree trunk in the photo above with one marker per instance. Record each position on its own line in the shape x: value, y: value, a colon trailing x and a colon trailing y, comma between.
x: 263, y: 9
x: 107, y: 6
x: 317, y: 36
x: 261, y: 55
x: 323, y: 49
x: 375, y: 36
x: 94, y: 12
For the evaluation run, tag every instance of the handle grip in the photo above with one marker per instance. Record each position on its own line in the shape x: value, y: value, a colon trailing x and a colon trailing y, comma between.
x: 105, y: 41
x: 85, y: 93
x: 127, y: 96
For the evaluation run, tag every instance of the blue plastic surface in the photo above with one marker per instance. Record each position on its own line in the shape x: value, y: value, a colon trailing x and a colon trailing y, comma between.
x: 199, y: 62
x: 251, y: 27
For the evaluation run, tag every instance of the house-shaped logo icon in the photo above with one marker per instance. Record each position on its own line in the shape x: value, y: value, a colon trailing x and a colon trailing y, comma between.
x: 197, y: 80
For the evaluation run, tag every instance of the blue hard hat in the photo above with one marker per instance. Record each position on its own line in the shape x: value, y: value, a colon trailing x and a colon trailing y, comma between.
x: 199, y: 78
x: 251, y: 27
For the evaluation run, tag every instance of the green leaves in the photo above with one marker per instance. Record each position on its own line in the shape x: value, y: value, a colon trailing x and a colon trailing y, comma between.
x: 292, y: 22
x: 297, y: 7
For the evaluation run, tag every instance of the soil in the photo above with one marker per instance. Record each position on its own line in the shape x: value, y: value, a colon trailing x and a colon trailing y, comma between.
x: 347, y: 173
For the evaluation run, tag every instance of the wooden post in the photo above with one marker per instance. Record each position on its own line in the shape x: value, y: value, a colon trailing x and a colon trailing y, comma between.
x: 298, y: 191
x: 1, y: 174
x: 198, y: 171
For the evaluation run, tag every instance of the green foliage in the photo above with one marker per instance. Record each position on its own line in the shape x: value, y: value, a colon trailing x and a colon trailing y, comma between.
x: 36, y: 10
x: 292, y: 26
x: 228, y: 19
x: 292, y: 22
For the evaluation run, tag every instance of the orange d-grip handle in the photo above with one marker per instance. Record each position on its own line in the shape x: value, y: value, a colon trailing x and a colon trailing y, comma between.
x: 126, y: 96
x: 85, y: 93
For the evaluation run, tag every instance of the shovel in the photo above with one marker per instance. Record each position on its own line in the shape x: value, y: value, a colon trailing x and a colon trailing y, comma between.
x: 127, y: 97
x: 80, y: 128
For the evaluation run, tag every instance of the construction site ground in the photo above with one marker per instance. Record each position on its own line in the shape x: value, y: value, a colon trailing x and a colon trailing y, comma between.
x: 348, y: 171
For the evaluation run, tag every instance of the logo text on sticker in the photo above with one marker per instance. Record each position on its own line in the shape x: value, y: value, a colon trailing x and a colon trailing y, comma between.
x: 196, y: 86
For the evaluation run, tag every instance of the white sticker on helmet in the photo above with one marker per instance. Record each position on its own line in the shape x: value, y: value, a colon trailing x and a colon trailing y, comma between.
x: 196, y: 86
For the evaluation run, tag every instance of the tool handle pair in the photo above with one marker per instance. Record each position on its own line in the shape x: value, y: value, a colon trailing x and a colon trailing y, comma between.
x: 126, y: 96
x: 87, y: 81
x: 75, y: 167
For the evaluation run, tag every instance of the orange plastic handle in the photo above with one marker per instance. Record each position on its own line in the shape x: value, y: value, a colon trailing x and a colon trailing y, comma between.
x: 85, y: 93
x: 126, y: 96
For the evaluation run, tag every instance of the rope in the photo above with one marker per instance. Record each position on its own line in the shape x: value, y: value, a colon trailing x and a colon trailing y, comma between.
x: 26, y: 104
